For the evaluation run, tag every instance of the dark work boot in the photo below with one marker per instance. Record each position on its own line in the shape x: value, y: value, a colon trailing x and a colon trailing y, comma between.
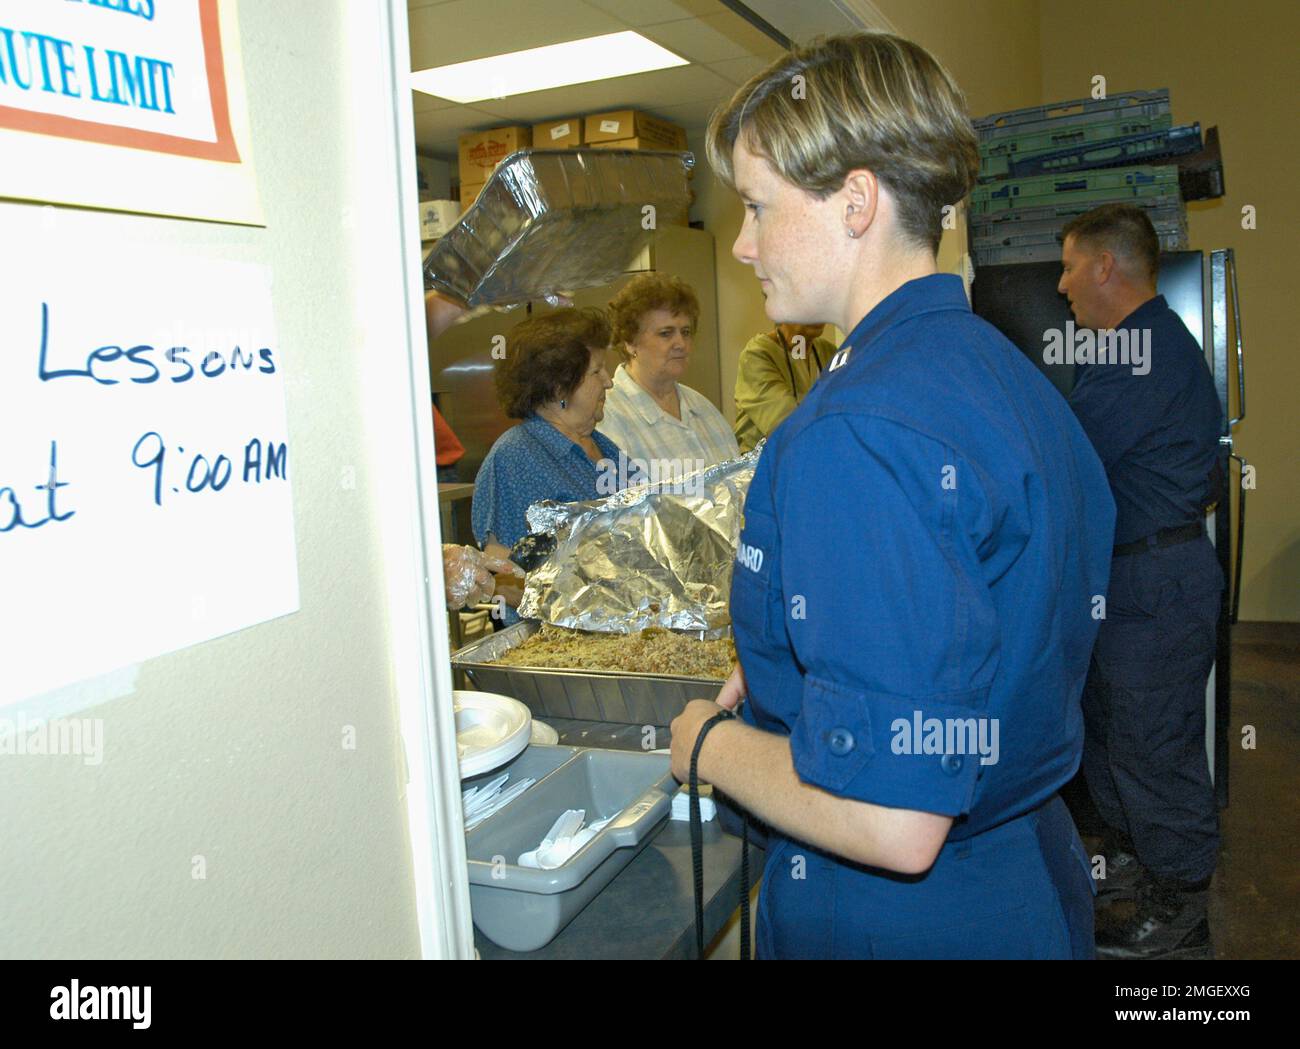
x: 1118, y: 872
x: 1165, y: 919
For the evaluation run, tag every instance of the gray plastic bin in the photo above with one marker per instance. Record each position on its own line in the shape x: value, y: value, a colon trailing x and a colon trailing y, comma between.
x: 523, y: 909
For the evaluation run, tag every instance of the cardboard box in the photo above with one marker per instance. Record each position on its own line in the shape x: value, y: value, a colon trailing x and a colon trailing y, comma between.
x: 433, y: 178
x: 468, y: 194
x: 481, y: 151
x: 631, y: 143
x: 633, y: 124
x: 437, y: 217
x: 558, y: 134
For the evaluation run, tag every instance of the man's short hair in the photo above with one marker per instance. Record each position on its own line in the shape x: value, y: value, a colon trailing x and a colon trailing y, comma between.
x: 1122, y: 229
x: 862, y: 100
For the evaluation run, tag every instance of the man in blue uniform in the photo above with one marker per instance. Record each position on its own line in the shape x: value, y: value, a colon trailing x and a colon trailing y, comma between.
x: 924, y: 541
x: 1154, y: 418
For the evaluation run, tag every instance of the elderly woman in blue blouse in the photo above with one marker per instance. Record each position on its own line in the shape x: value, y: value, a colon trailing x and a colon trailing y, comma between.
x: 553, y: 379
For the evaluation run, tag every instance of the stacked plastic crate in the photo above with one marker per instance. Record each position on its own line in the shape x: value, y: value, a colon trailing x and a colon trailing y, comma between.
x: 1042, y: 166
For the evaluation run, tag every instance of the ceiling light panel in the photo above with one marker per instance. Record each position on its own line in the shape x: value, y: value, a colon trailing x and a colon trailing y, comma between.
x: 541, y: 68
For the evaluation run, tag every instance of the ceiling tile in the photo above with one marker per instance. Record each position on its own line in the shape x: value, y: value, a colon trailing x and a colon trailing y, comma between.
x: 808, y: 18
x: 447, y: 31
x: 647, y: 12
x: 437, y: 131
x: 738, y: 70
x: 463, y: 30
x: 694, y: 116
x: 650, y: 91
x: 713, y: 38
x: 422, y: 102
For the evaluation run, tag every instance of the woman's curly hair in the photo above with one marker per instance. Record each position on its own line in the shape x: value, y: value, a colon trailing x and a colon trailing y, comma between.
x: 646, y: 292
x: 547, y: 358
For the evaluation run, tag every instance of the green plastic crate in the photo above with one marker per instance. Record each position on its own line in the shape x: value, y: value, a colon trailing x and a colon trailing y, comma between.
x: 1066, y: 206
x: 1079, y: 111
x: 1049, y: 141
x: 1081, y: 186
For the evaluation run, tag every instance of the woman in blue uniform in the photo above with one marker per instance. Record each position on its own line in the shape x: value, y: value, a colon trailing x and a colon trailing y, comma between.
x: 925, y: 546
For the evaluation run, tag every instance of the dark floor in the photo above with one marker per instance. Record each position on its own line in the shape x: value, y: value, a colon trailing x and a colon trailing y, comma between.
x: 1255, y: 896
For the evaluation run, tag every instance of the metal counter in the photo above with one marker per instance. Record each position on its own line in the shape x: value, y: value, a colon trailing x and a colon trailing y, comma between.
x: 589, y: 695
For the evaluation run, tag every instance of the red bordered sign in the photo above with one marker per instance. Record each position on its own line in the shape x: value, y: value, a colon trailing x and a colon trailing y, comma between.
x: 74, y: 69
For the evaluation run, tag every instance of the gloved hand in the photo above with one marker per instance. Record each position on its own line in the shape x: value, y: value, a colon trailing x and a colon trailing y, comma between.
x: 467, y: 573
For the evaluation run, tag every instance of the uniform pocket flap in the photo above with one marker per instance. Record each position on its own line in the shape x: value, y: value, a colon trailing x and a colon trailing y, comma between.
x: 901, y: 751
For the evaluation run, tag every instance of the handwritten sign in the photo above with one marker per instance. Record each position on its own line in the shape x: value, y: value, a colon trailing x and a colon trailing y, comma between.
x: 144, y: 463
x: 109, y: 102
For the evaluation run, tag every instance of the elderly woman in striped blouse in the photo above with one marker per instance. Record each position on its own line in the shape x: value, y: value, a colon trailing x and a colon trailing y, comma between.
x: 664, y: 427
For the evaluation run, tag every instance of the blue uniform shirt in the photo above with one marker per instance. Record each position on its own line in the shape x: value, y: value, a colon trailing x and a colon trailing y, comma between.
x: 923, y: 541
x: 530, y: 462
x: 1157, y: 430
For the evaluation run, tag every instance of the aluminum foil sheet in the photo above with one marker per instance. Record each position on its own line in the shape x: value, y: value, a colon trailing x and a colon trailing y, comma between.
x: 551, y: 221
x: 650, y: 555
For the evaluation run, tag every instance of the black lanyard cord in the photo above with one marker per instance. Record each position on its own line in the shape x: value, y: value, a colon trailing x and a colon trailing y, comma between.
x: 817, y: 357
x: 697, y: 847
x: 744, y: 887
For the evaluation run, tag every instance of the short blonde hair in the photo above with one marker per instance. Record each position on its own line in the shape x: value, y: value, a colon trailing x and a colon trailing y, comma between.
x: 646, y: 292
x: 864, y: 100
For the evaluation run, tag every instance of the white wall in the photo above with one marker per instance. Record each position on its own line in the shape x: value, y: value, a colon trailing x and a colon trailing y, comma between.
x: 232, y: 750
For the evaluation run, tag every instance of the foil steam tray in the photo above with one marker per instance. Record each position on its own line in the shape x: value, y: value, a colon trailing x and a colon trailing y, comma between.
x: 550, y: 221
x: 587, y: 695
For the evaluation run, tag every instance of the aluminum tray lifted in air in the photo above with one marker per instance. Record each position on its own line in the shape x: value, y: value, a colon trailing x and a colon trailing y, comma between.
x: 588, y: 695
x: 550, y: 221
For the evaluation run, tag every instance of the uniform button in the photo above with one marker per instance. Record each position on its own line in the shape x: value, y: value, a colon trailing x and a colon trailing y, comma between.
x: 951, y: 763
x: 841, y: 741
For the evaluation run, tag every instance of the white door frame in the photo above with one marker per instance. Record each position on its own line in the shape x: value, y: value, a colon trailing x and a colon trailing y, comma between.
x: 399, y: 430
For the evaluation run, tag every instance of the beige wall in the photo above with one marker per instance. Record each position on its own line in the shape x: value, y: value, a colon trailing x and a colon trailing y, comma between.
x: 232, y: 750
x: 991, y: 47
x: 1234, y: 66
x: 740, y: 303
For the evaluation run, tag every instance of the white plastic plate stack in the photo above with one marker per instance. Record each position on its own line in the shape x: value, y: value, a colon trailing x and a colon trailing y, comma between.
x: 490, y: 730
